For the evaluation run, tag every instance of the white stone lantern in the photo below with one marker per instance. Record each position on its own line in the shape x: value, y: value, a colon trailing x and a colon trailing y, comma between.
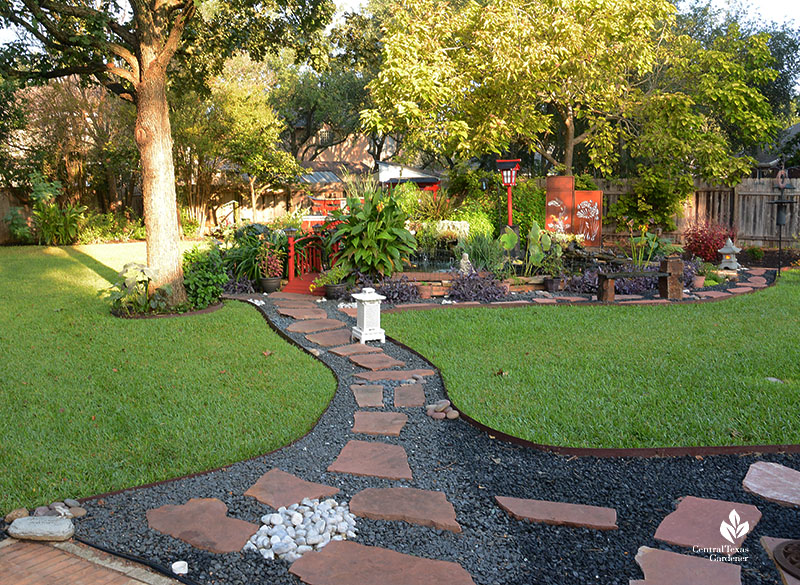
x: 368, y: 319
x: 729, y: 252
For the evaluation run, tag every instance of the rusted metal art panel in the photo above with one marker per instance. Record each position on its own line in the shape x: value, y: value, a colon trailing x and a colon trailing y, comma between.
x: 559, y: 204
x: 588, y: 217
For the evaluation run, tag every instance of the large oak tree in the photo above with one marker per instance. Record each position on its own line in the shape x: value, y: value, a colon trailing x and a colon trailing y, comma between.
x: 127, y: 46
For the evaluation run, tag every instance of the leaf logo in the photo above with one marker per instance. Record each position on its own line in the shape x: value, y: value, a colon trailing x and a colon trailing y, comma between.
x: 734, y: 530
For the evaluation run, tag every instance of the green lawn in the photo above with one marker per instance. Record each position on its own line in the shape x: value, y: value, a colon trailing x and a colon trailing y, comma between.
x: 623, y: 376
x: 90, y: 403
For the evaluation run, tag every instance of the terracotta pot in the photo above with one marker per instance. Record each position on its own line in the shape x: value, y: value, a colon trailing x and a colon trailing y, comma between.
x: 699, y: 281
x: 270, y: 284
x: 425, y: 291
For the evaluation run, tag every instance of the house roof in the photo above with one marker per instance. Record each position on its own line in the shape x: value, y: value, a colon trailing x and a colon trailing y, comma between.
x: 393, y: 173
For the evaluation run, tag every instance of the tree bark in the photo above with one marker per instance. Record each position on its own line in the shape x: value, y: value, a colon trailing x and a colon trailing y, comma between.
x: 569, y: 140
x: 154, y: 140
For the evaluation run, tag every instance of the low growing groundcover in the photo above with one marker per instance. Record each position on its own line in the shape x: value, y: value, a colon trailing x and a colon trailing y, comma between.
x: 90, y: 403
x: 623, y: 376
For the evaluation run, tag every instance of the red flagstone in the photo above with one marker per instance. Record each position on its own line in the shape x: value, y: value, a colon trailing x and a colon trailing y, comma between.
x: 757, y: 280
x: 277, y: 488
x: 668, y: 567
x: 628, y: 297
x: 545, y: 301
x: 738, y: 290
x: 379, y: 423
x: 393, y: 375
x: 411, y: 505
x: 368, y: 395
x: 512, y: 303
x: 349, y: 563
x: 697, y: 523
x: 315, y: 325
x: 203, y: 523
x: 559, y: 513
x: 304, y: 313
x: 289, y: 304
x: 712, y: 294
x: 375, y: 361
x: 350, y: 311
x: 409, y: 395
x: 755, y: 285
x: 372, y: 459
x: 572, y: 299
x: 770, y: 544
x: 289, y: 296
x: 331, y: 338
x: 355, y: 348
x: 773, y: 482
x: 757, y: 271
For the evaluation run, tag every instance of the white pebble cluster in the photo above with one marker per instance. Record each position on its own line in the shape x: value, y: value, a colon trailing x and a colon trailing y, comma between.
x: 257, y: 302
x: 301, y: 528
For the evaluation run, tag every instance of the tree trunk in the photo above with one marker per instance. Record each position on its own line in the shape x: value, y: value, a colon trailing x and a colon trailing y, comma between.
x: 569, y: 141
x: 253, y: 195
x: 154, y: 140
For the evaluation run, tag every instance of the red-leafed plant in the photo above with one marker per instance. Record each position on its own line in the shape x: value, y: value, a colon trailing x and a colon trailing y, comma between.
x: 704, y: 238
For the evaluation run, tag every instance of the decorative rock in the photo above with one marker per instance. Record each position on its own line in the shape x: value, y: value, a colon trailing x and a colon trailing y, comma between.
x: 773, y: 482
x: 180, y: 567
x: 393, y: 375
x: 297, y: 519
x: 375, y: 361
x: 776, y: 380
x: 438, y: 415
x: 56, y: 505
x: 41, y: 528
x: 559, y: 513
x: 203, y: 523
x: 78, y: 512
x: 355, y: 349
x: 275, y: 519
x: 72, y: 503
x: 16, y: 515
x: 277, y: 488
x: 372, y: 459
x: 426, y: 508
x: 345, y: 563
x: 452, y: 415
x: 41, y: 511
x: 61, y: 510
x: 441, y: 405
x: 660, y: 566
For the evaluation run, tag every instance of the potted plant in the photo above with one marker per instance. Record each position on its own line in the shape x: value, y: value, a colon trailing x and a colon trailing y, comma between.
x: 270, y: 265
x: 333, y: 281
x: 553, y: 266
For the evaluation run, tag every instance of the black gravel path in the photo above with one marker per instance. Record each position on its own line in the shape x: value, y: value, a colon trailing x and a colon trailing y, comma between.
x: 471, y: 468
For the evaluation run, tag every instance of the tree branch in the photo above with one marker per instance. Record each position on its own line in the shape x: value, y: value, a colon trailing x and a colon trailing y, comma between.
x: 174, y: 39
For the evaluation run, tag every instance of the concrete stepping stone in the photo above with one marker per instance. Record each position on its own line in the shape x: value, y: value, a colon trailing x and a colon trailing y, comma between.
x: 349, y: 563
x: 203, y: 523
x: 302, y: 313
x: 372, y: 459
x: 393, y: 375
x: 277, y: 488
x: 770, y: 544
x: 375, y: 361
x: 367, y: 396
x: 379, y: 423
x: 331, y: 338
x: 559, y: 513
x: 354, y: 349
x: 289, y: 297
x: 42, y: 528
x: 773, y: 482
x: 315, y: 325
x: 661, y: 566
x: 698, y: 522
x: 409, y: 395
x: 402, y: 504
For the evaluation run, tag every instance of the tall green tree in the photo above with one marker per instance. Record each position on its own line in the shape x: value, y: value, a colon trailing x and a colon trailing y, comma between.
x: 127, y: 46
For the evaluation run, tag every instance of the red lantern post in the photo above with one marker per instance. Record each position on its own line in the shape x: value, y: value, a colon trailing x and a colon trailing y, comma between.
x: 508, y: 169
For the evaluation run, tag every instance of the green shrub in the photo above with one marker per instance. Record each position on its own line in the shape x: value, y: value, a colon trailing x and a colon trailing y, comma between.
x: 755, y: 253
x: 54, y: 225
x: 18, y: 225
x: 130, y: 294
x: 435, y: 206
x: 372, y: 236
x: 189, y: 226
x: 407, y: 196
x: 99, y: 228
x: 528, y: 202
x: 483, y: 250
x: 203, y: 275
x: 480, y: 221
x: 242, y: 257
x: 585, y: 183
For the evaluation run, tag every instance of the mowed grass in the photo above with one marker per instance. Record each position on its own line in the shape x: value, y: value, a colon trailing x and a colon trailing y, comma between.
x: 90, y: 403
x: 623, y: 376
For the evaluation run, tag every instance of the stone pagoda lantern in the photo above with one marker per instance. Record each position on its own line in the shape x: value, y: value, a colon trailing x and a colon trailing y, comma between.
x: 368, y: 317
x: 729, y: 252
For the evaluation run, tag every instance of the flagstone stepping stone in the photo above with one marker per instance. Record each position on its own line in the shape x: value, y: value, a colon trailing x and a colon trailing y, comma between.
x: 712, y: 294
x: 393, y: 375
x: 757, y: 271
x: 289, y: 304
x: 370, y: 395
x: 757, y: 280
x: 315, y: 325
x: 44, y: 528
x: 203, y: 523
x: 375, y: 361
x: 738, y: 290
x: 572, y: 299
x: 773, y: 482
x: 289, y: 296
x: 277, y: 488
x: 372, y: 459
x: 350, y: 311
x: 302, y: 313
x: 559, y: 513
x: 698, y: 522
x: 661, y: 566
x: 379, y: 423
x: 770, y: 544
x: 409, y: 395
x: 355, y: 348
x: 331, y: 338
x: 349, y: 563
x: 545, y: 301
x: 403, y: 504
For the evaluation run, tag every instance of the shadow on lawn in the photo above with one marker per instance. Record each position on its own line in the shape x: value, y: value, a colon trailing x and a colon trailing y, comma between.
x: 105, y: 272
